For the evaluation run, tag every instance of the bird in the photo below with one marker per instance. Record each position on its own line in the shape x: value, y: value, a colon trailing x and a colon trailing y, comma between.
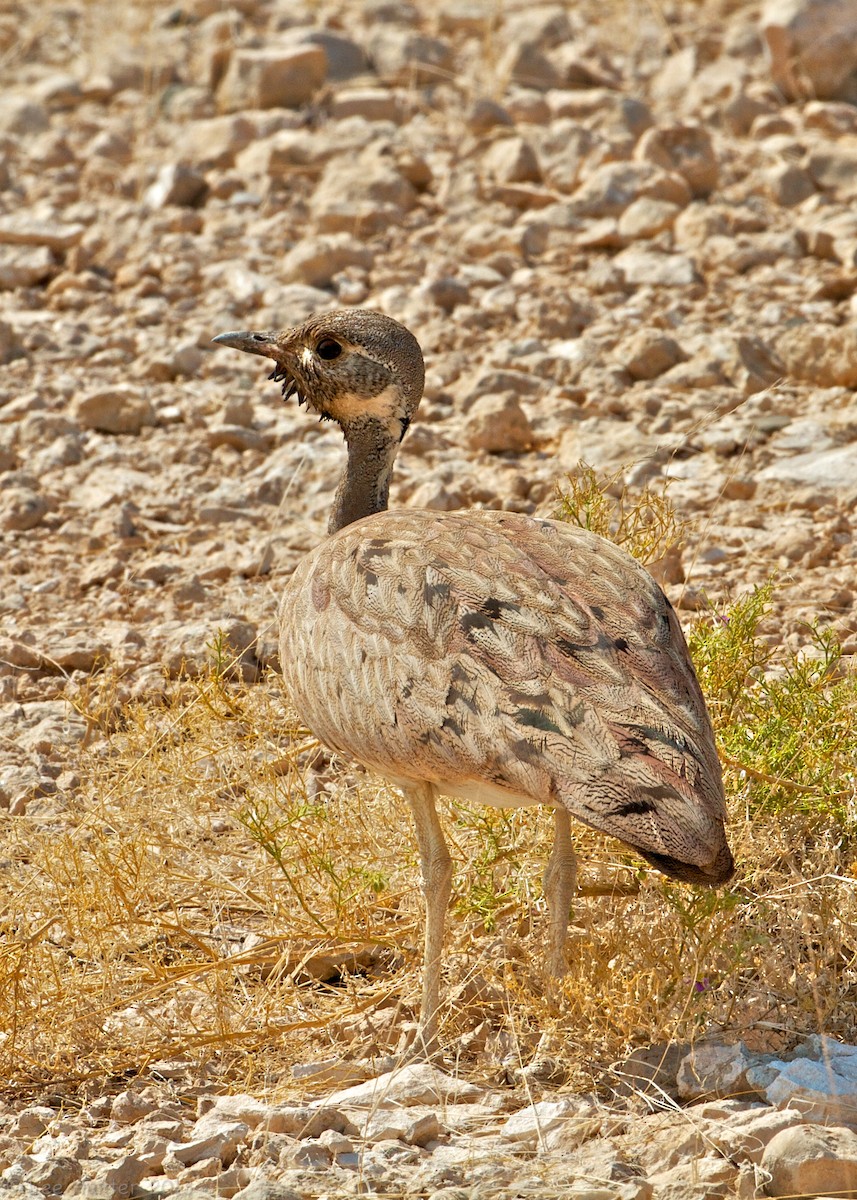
x: 485, y: 655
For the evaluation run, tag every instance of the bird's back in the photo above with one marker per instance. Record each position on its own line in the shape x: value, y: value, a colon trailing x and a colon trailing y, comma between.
x: 526, y: 657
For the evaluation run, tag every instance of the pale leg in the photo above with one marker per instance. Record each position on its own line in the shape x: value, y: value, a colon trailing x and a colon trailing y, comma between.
x: 560, y: 884
x: 436, y: 866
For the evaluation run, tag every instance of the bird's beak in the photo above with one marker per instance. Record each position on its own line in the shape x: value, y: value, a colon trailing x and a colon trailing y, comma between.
x: 251, y: 342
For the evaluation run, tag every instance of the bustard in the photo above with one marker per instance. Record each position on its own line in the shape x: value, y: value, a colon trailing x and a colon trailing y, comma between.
x: 504, y: 659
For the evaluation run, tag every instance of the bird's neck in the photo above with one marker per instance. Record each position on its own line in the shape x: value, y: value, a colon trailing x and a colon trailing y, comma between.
x: 365, y: 484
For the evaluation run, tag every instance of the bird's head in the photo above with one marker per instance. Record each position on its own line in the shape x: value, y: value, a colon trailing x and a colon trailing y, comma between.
x: 352, y: 366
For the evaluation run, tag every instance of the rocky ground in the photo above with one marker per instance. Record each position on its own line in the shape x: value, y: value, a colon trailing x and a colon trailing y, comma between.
x: 623, y: 234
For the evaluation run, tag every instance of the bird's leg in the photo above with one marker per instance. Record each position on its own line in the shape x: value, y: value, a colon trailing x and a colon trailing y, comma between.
x: 436, y: 866
x: 560, y: 884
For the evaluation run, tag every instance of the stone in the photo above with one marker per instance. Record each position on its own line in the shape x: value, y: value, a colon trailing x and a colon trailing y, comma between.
x: 176, y: 183
x: 712, y: 1069
x: 303, y: 1121
x: 20, y: 229
x: 824, y: 355
x: 684, y: 150
x: 418, y: 1083
x: 810, y: 1160
x: 401, y: 56
x: 512, y: 160
x: 811, y: 47
x: 21, y: 508
x: 211, y: 1138
x: 10, y: 349
x: 315, y: 261
x: 286, y: 77
x: 645, y: 355
x: 24, y: 266
x: 611, y: 188
x: 120, y: 409
x: 372, y: 104
x: 656, y: 269
x: 22, y: 116
x: 788, y: 184
x: 533, y: 1124
x: 832, y: 168
x: 345, y: 58
x: 496, y: 424
x: 706, y: 1178
x: 525, y: 64
x: 213, y: 142
x: 820, y: 1079
x: 366, y: 194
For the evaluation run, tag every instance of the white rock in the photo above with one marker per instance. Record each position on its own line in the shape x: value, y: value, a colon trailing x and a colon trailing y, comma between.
x: 211, y: 1139
x: 22, y: 266
x: 712, y: 1069
x: 274, y: 77
x: 531, y: 1124
x: 825, y: 1084
x: 811, y: 45
x: 827, y: 470
x: 120, y: 409
x: 811, y: 1161
x: 418, y: 1083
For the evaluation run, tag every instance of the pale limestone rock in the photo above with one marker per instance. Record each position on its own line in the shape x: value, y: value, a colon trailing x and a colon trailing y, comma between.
x: 366, y: 193
x: 177, y: 183
x: 712, y: 1069
x: 646, y: 354
x: 419, y: 1083
x: 646, y: 218
x: 309, y: 1122
x: 824, y: 355
x: 821, y: 1079
x: 809, y: 1160
x: 703, y: 1179
x: 315, y: 261
x: 611, y: 188
x: 23, y: 266
x: 565, y: 1117
x: 286, y: 77
x: 213, y: 142
x: 22, y: 116
x: 832, y: 167
x: 372, y: 104
x: 684, y: 150
x: 812, y: 46
x: 121, y: 409
x: 512, y: 160
x: 21, y: 508
x: 20, y: 229
x: 656, y: 268
x: 210, y: 1139
x: 402, y: 56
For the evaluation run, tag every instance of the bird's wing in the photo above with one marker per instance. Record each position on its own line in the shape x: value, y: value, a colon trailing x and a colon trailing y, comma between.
x: 525, y: 654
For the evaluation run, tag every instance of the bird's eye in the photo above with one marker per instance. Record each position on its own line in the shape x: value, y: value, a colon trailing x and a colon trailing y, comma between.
x: 327, y: 348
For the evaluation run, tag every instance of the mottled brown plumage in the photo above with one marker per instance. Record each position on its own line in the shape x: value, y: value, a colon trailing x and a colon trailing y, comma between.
x: 495, y: 657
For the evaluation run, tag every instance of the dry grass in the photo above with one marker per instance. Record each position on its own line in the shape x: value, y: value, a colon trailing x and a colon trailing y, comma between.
x: 220, y: 897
